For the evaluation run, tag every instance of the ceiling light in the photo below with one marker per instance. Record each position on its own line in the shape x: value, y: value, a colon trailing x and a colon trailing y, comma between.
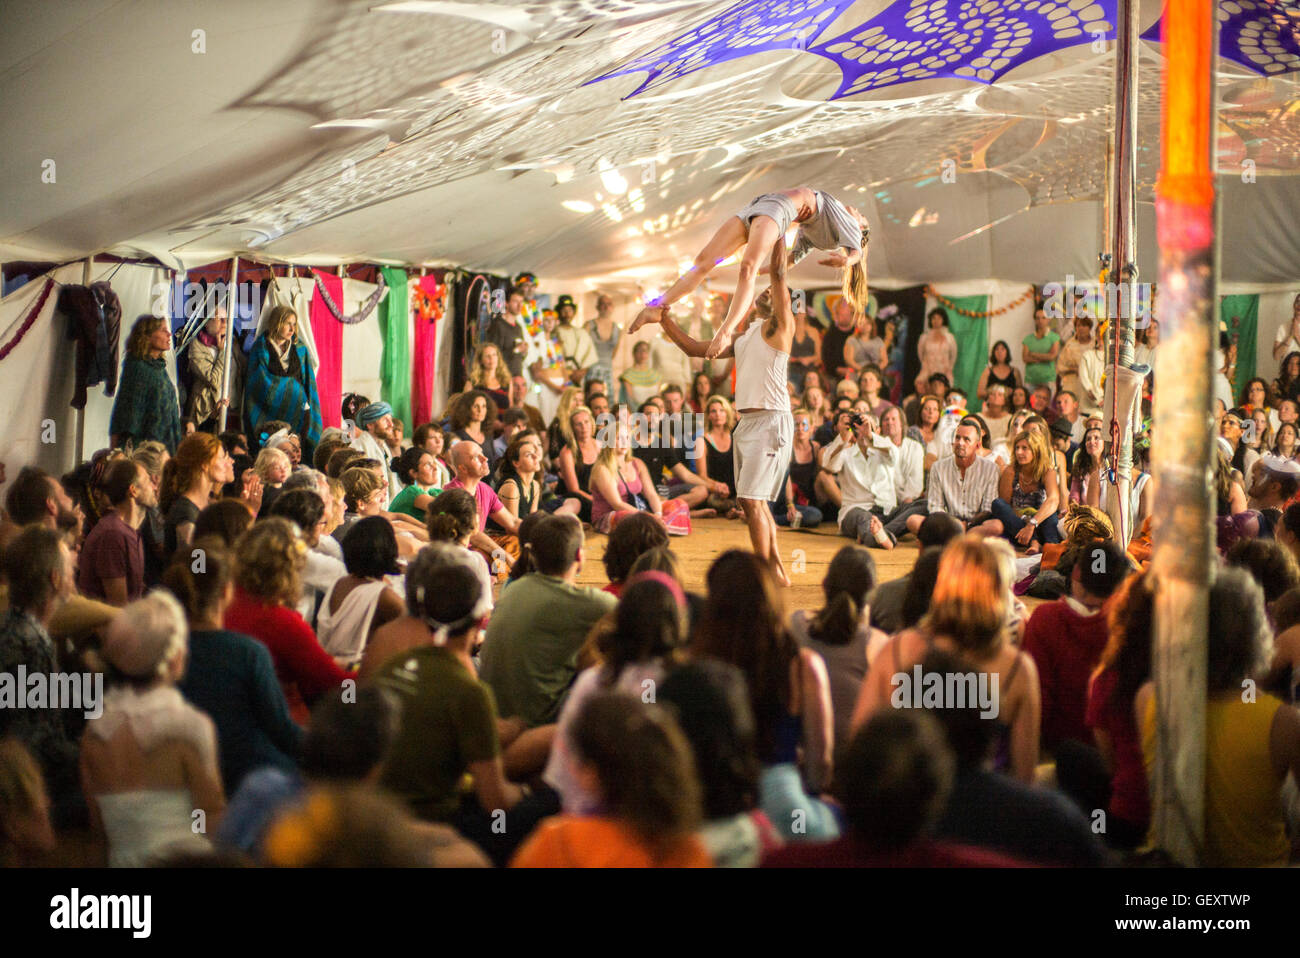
x: 612, y: 212
x: 610, y: 176
x: 578, y: 206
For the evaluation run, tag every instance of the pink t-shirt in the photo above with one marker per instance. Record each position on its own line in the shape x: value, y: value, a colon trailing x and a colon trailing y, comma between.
x: 485, y: 496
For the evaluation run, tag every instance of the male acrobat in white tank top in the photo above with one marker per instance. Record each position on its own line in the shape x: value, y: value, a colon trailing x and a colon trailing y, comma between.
x: 761, y: 443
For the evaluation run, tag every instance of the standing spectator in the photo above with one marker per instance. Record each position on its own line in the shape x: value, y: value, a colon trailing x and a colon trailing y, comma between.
x: 605, y: 335
x: 112, y: 559
x: 865, y: 347
x: 146, y: 406
x: 1144, y: 353
x: 1039, y: 351
x: 575, y: 341
x: 999, y: 371
x: 640, y: 381
x: 996, y: 415
x: 506, y: 331
x: 281, y: 380
x: 836, y: 338
x: 530, y: 655
x: 1287, y: 384
x: 207, y: 363
x: 804, y: 349
x: 937, y: 349
x: 1287, y: 340
x: 1072, y: 353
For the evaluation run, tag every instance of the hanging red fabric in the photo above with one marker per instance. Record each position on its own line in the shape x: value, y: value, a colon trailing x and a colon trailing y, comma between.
x: 328, y: 333
x: 428, y: 303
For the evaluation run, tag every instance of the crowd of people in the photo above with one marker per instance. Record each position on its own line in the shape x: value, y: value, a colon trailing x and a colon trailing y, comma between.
x: 344, y: 646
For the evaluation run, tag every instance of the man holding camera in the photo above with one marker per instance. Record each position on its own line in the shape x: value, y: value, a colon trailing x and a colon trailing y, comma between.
x: 863, y: 462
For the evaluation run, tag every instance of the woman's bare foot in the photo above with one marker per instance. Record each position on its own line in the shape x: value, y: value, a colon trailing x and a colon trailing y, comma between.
x: 879, y: 534
x: 704, y: 513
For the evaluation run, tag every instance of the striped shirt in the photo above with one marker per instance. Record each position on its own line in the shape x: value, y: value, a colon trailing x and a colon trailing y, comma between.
x: 963, y: 497
x: 831, y: 227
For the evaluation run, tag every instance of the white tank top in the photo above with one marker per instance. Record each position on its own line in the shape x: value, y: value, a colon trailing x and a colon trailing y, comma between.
x: 760, y: 372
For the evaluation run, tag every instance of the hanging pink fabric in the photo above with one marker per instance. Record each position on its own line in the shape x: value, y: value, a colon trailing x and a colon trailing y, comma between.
x: 328, y: 333
x: 423, y: 356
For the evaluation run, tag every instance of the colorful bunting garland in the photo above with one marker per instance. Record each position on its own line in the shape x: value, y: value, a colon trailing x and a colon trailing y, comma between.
x: 977, y: 313
x: 362, y: 312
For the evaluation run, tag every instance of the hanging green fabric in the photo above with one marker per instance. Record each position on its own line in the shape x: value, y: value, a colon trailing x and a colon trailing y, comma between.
x: 395, y: 363
x: 1241, y: 315
x: 972, y: 335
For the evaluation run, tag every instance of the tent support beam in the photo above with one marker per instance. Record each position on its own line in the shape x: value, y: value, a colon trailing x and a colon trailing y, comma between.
x: 232, y: 309
x: 1122, y: 247
x: 86, y: 269
x: 1183, y: 542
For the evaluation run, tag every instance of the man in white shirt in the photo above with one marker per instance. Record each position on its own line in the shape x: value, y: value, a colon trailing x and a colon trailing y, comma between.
x: 909, y: 473
x: 864, y: 464
x: 376, y: 422
x: 964, y: 484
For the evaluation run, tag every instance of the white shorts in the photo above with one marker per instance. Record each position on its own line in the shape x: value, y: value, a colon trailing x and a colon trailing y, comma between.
x: 777, y: 206
x: 760, y: 447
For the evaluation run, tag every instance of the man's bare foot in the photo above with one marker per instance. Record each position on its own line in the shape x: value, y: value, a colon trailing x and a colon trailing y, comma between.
x: 651, y: 314
x: 735, y: 514
x: 879, y: 534
x: 704, y: 513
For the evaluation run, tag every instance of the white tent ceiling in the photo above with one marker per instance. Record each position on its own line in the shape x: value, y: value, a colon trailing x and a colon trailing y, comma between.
x: 453, y: 133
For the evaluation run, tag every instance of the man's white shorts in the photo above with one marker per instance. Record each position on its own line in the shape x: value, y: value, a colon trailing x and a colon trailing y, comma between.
x: 761, y: 448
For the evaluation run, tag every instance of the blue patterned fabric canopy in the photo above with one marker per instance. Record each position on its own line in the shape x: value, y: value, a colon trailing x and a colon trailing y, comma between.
x: 1263, y: 35
x: 909, y: 40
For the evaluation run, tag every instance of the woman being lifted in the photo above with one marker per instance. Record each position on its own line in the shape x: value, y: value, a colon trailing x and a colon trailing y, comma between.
x: 824, y: 223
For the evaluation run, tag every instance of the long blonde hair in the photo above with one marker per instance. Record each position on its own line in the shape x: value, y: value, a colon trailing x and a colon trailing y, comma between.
x: 1040, y: 462
x: 570, y: 402
x: 478, y: 374
x: 853, y: 284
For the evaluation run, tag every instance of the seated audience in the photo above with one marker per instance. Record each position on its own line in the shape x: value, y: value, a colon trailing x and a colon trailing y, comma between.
x: 841, y: 632
x: 230, y: 677
x: 631, y: 538
x: 112, y: 560
x: 1024, y: 511
x: 530, y: 655
x: 744, y: 625
x: 894, y: 782
x: 634, y: 758
x: 418, y: 470
x: 621, y: 485
x: 26, y: 833
x: 361, y: 601
x: 886, y: 599
x: 269, y: 559
x: 149, y: 762
x: 305, y: 509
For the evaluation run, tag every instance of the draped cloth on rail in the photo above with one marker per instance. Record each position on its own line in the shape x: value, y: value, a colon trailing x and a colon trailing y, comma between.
x: 395, y: 364
x: 329, y: 347
x: 424, y: 360
x: 972, y: 335
x: 274, y: 391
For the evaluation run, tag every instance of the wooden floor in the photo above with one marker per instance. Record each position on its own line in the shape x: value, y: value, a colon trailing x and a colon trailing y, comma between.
x: 805, y: 552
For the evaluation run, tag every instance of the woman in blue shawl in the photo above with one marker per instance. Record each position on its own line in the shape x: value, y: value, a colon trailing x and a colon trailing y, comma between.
x: 146, y: 406
x: 281, y: 383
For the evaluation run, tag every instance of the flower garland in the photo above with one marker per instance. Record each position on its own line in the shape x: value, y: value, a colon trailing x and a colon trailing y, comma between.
x: 977, y: 313
x: 28, y: 320
x: 362, y: 312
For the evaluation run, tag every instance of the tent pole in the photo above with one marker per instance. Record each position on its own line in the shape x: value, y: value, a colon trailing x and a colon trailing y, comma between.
x: 86, y: 268
x: 1121, y: 285
x: 232, y: 317
x: 1183, y: 544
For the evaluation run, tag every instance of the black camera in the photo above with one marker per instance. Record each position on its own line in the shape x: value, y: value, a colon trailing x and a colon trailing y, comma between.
x: 858, y: 420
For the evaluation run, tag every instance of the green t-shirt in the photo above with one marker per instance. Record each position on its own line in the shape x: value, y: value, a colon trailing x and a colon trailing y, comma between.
x: 530, y: 655
x: 404, y: 501
x: 448, y: 723
x: 1039, y: 374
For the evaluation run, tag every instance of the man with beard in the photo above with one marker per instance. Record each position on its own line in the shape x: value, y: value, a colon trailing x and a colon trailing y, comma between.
x: 376, y: 423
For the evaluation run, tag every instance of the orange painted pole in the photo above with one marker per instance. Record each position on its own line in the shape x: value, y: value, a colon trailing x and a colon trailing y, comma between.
x: 1183, y: 444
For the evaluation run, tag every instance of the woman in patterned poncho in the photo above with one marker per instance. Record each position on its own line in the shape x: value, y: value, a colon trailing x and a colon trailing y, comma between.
x: 281, y: 383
